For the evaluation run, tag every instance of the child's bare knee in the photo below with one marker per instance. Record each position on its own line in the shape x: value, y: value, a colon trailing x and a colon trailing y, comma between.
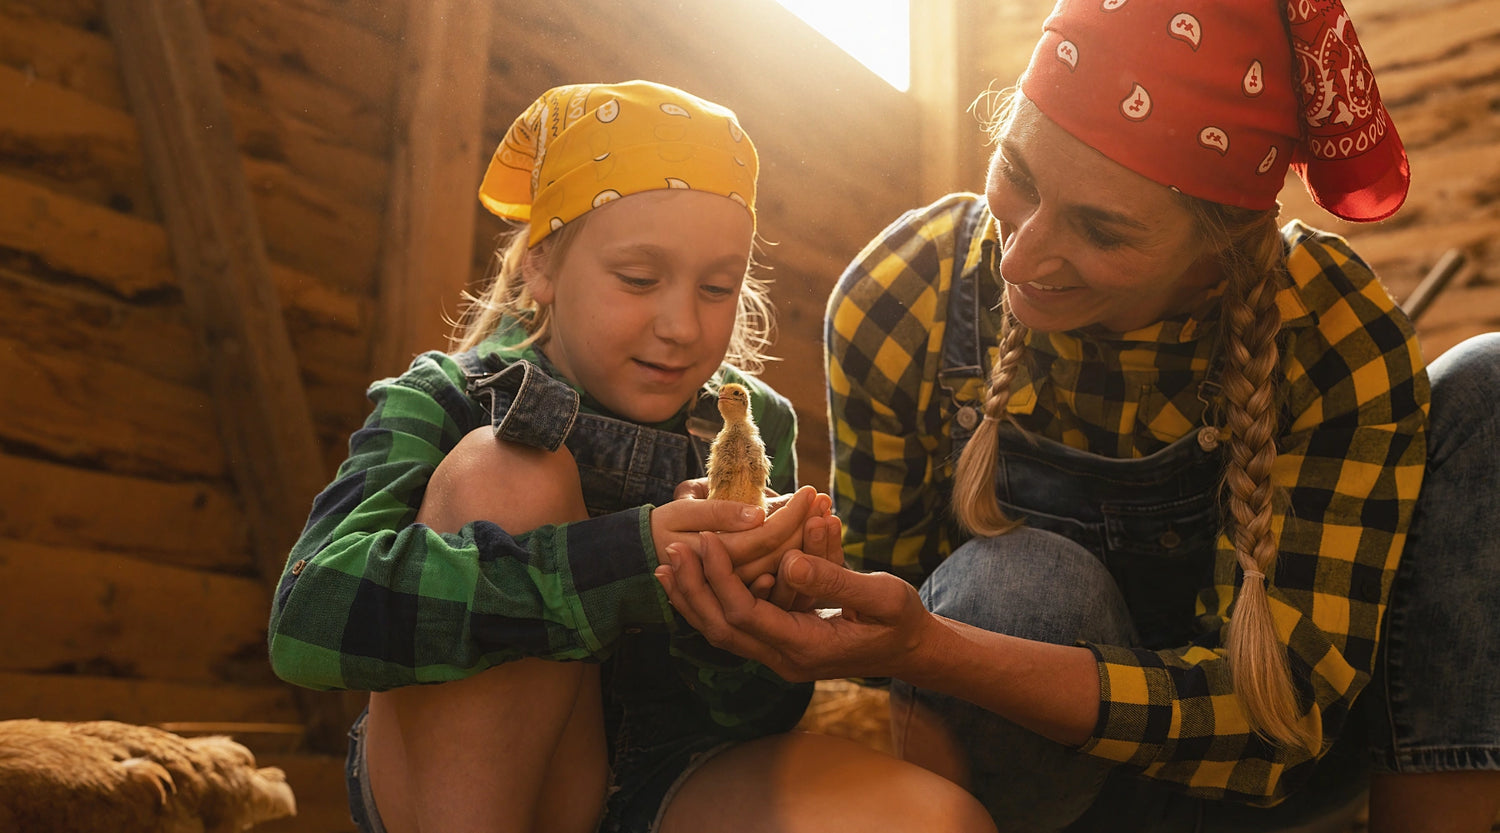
x: 515, y: 486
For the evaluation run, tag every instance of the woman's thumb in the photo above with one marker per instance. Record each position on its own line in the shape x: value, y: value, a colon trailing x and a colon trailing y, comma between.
x: 813, y: 576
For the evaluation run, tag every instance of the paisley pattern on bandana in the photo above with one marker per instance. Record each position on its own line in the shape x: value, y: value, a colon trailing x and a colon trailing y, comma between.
x: 1216, y: 100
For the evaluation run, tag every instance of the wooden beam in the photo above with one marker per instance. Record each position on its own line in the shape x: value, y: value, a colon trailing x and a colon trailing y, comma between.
x: 435, y: 171
x: 225, y: 275
x: 222, y: 266
x: 935, y: 82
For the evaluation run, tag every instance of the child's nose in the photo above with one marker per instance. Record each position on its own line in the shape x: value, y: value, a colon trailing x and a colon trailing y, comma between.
x: 677, y: 319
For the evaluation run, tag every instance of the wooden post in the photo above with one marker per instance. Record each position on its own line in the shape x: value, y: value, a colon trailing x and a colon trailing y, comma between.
x: 224, y: 272
x: 436, y: 166
x: 935, y: 80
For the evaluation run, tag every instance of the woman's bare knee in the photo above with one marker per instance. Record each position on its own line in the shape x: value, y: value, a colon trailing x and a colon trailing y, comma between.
x: 808, y: 782
x: 515, y: 486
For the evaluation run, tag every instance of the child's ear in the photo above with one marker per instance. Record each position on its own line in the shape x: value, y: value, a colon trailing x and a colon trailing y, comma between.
x: 534, y: 272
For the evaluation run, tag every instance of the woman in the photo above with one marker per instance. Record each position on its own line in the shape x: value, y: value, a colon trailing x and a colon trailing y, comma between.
x: 1194, y: 462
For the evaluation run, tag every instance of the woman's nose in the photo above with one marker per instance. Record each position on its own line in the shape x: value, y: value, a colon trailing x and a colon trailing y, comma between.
x: 1027, y: 253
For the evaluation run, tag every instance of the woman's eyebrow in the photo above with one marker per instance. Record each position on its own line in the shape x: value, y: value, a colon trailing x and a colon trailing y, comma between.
x: 1084, y: 211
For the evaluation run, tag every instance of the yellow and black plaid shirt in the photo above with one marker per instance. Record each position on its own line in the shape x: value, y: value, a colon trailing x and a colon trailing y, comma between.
x: 1352, y: 451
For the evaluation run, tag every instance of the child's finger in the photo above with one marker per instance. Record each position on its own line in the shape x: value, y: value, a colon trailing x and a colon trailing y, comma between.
x: 763, y: 586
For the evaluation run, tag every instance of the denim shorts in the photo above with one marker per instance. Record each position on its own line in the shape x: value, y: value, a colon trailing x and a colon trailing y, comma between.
x: 657, y: 739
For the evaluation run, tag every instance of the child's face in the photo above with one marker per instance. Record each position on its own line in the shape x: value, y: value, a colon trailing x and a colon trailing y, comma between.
x: 645, y: 299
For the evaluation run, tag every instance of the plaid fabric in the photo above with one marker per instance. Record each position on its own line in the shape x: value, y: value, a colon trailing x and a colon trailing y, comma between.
x: 1352, y: 450
x: 371, y: 601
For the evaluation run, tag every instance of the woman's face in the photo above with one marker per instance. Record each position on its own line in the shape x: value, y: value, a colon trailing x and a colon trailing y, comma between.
x: 1084, y: 240
x: 645, y: 299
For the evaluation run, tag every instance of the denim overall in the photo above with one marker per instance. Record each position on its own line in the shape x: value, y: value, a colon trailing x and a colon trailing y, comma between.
x: 655, y: 726
x: 1151, y: 523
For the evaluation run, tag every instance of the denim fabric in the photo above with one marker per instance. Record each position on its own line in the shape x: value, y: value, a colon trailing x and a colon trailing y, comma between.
x: 361, y: 800
x: 1039, y: 585
x: 657, y: 730
x: 1437, y: 687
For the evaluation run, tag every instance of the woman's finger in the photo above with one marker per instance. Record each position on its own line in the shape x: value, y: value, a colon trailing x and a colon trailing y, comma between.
x: 692, y: 596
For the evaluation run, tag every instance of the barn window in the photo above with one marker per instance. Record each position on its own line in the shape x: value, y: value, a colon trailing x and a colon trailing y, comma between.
x: 876, y: 32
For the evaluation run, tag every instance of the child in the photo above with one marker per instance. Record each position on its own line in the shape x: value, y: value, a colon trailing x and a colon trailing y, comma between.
x: 495, y: 528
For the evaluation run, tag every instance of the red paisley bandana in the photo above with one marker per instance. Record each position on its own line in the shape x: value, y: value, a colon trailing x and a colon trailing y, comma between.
x: 1217, y: 98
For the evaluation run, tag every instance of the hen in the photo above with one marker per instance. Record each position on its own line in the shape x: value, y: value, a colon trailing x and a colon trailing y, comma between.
x: 737, y: 464
x: 103, y: 775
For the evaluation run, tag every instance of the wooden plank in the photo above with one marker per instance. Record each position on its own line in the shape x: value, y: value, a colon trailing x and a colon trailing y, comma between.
x: 383, y: 17
x: 51, y: 311
x: 71, y: 145
x: 435, y: 172
x: 126, y: 255
x: 322, y: 133
x: 935, y: 58
x: 83, y: 14
x: 59, y: 53
x: 58, y: 505
x: 277, y: 33
x: 97, y: 412
x: 80, y: 147
x: 91, y: 612
x: 331, y: 112
x: 148, y: 702
x: 309, y: 229
x: 1425, y: 33
x: 225, y: 273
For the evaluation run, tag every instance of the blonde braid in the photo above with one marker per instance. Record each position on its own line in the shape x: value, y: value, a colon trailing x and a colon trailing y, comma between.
x: 1253, y: 261
x: 975, y: 503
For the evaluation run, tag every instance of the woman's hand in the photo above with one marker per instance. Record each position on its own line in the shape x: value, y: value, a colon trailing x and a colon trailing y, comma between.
x: 822, y: 537
x: 880, y: 626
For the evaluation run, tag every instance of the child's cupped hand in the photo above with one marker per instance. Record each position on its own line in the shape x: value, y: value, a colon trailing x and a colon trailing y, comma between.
x: 755, y: 544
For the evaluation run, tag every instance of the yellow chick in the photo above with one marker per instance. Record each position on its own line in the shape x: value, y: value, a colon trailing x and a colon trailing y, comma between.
x: 737, y: 464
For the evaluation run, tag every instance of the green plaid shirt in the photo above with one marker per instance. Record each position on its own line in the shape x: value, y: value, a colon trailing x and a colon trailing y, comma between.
x: 371, y: 601
x: 1352, y: 450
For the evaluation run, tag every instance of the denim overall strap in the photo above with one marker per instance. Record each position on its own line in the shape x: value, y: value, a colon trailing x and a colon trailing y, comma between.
x: 551, y: 406
x: 1152, y: 521
x: 621, y: 464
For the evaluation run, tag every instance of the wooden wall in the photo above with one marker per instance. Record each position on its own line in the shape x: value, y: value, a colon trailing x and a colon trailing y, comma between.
x: 129, y: 581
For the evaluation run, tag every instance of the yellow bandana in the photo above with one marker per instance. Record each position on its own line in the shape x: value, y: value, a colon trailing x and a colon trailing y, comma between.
x: 582, y: 145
